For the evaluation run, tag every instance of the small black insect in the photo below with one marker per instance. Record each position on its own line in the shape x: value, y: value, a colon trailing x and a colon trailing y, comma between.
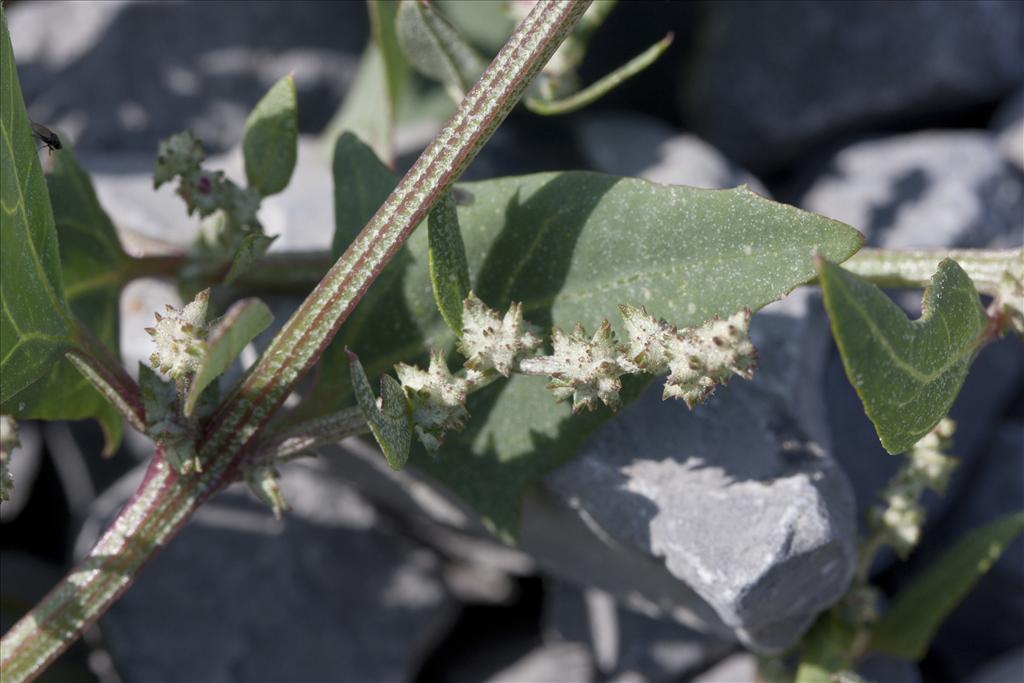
x: 45, y: 136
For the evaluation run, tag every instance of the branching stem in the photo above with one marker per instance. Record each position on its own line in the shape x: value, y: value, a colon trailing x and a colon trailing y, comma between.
x: 166, y: 500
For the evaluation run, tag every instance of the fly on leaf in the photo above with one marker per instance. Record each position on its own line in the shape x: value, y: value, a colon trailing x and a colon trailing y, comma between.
x: 45, y: 136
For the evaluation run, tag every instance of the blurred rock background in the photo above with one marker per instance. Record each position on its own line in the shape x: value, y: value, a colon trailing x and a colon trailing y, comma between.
x: 675, y: 538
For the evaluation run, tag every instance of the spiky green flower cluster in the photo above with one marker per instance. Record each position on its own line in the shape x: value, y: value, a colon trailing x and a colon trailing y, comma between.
x: 698, y: 358
x: 901, y: 516
x: 583, y: 369
x: 437, y: 398
x: 205, y: 192
x: 165, y: 423
x: 180, y: 337
x: 492, y: 342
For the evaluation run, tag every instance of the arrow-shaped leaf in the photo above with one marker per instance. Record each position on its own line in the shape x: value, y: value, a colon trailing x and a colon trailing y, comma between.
x: 389, y: 421
x: 907, y: 373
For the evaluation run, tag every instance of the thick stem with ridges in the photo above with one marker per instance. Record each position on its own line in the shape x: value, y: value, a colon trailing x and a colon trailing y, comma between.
x: 165, y: 500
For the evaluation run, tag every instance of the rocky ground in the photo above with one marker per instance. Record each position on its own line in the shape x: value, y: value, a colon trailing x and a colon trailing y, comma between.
x: 675, y: 542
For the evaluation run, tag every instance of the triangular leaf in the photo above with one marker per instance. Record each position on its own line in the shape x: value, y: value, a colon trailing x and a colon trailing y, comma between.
x: 389, y: 421
x: 35, y: 323
x: 94, y: 268
x: 685, y: 254
x: 907, y: 373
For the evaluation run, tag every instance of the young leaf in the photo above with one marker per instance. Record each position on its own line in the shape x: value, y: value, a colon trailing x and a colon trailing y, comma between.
x: 826, y: 650
x: 389, y: 421
x: 907, y: 373
x: 602, y: 87
x: 361, y: 184
x: 271, y: 137
x: 35, y: 324
x: 251, y: 250
x: 686, y: 254
x: 449, y: 272
x: 228, y: 336
x: 383, y: 17
x: 94, y: 268
x: 918, y: 611
x: 435, y: 49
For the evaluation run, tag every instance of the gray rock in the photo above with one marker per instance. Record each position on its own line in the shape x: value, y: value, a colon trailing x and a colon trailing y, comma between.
x: 626, y: 643
x: 1007, y: 669
x: 737, y: 668
x: 555, y: 663
x: 885, y: 669
x: 1008, y: 126
x: 645, y: 147
x: 119, y: 76
x: 300, y: 599
x: 734, y: 500
x: 923, y: 190
x: 745, y: 533
x: 768, y: 81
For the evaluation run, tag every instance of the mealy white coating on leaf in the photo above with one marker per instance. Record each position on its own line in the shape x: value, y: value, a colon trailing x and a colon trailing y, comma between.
x: 490, y: 341
x: 180, y: 338
x: 8, y: 442
x: 437, y: 397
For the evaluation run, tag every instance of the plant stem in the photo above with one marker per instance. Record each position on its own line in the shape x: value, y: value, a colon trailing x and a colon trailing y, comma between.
x: 893, y: 268
x: 320, y: 431
x: 105, y: 372
x: 165, y: 500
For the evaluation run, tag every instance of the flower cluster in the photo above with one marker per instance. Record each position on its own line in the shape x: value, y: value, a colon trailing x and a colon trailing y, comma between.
x: 180, y: 338
x: 583, y: 369
x: 205, y: 192
x: 165, y: 423
x: 437, y: 398
x: 901, y: 516
x: 491, y: 342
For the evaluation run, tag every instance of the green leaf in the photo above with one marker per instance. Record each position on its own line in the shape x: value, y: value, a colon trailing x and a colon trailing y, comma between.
x: 383, y: 15
x: 270, y: 144
x: 572, y: 247
x: 251, y: 250
x: 35, y: 325
x: 449, y: 272
x: 361, y: 184
x: 601, y: 87
x: 366, y: 110
x: 907, y: 373
x: 389, y: 422
x: 918, y: 611
x: 435, y: 49
x: 826, y: 650
x: 94, y: 268
x: 239, y: 326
